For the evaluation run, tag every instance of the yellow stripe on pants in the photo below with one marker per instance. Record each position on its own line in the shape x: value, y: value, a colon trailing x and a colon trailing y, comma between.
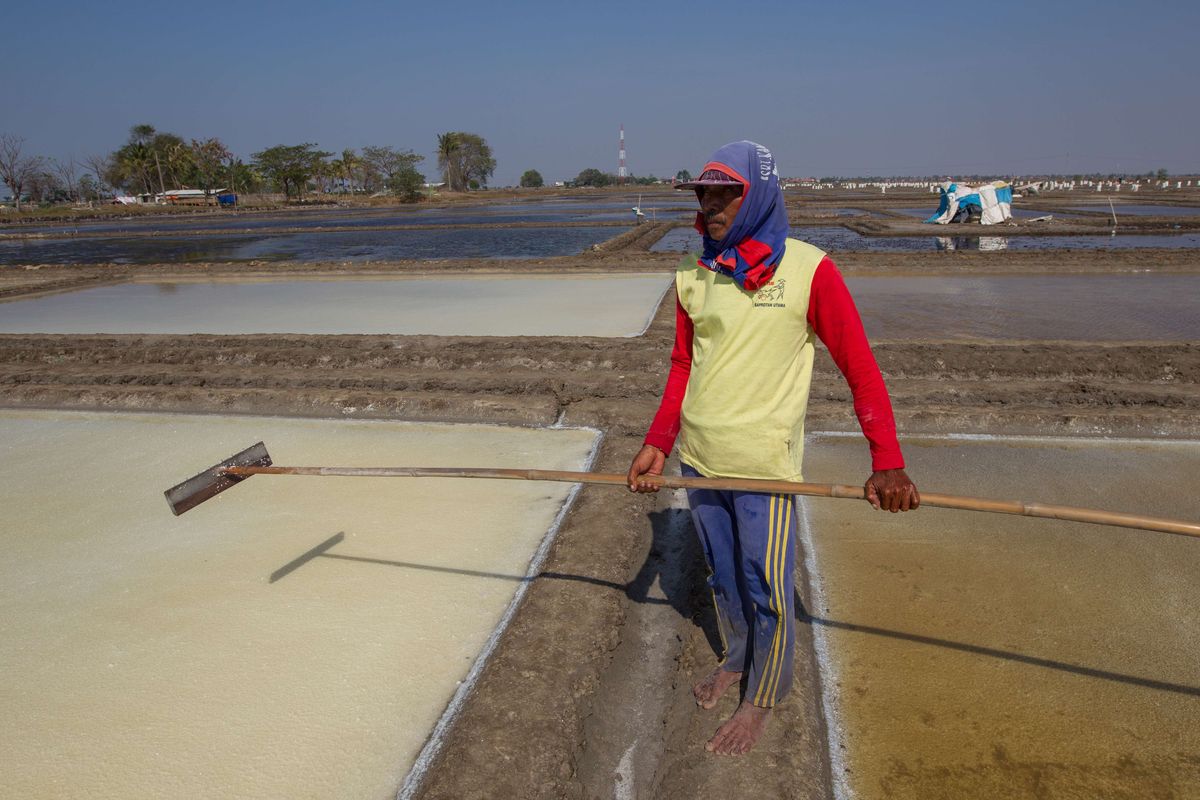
x: 769, y: 569
x: 782, y: 622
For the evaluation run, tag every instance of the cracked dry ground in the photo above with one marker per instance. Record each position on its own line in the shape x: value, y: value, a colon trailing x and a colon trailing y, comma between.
x: 541, y: 721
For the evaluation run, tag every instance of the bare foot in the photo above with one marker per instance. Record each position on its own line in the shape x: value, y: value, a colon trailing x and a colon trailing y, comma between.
x: 709, y: 690
x: 740, y: 732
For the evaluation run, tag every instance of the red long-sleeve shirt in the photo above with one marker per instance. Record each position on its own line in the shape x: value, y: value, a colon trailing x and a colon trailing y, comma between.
x: 834, y: 317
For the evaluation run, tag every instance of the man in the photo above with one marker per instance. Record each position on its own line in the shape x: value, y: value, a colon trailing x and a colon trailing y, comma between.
x: 746, y: 314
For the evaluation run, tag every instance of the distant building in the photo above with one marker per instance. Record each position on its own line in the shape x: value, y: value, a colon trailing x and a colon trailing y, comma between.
x: 172, y: 197
x: 189, y: 196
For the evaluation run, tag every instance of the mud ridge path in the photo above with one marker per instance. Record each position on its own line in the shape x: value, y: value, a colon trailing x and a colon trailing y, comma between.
x: 588, y: 692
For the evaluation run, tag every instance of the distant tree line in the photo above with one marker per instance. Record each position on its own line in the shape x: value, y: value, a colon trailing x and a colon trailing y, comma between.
x: 594, y: 177
x: 152, y: 162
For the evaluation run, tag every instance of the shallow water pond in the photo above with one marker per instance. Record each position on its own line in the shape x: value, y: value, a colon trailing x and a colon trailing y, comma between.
x: 834, y: 239
x: 317, y: 246
x: 1037, y: 307
x: 544, y: 211
x: 1140, y: 210
x: 968, y: 654
x: 926, y: 213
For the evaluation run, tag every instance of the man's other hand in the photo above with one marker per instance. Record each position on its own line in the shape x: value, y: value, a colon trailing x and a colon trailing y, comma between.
x: 892, y: 490
x: 648, y: 461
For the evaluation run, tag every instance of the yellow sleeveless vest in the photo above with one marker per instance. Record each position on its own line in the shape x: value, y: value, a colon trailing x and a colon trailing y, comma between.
x: 752, y: 355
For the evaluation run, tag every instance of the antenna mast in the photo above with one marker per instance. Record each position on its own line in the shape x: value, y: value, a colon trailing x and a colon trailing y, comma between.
x: 622, y: 172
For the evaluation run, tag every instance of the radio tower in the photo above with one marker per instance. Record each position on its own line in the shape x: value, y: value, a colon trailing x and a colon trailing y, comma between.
x: 622, y: 173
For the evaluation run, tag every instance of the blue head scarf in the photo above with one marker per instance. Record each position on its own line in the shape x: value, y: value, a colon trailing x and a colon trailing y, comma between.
x: 753, y: 247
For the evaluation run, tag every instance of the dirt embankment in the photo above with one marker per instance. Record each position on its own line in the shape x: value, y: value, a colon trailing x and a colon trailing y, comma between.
x: 625, y: 253
x: 1127, y: 389
x: 619, y: 603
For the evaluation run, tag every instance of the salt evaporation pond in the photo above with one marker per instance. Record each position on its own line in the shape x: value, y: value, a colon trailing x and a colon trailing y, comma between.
x: 806, y: 210
x: 982, y: 655
x: 1019, y: 213
x: 593, y: 305
x: 834, y: 239
x: 1037, y: 307
x: 202, y: 656
x: 1140, y: 210
x: 389, y: 245
x: 547, y: 211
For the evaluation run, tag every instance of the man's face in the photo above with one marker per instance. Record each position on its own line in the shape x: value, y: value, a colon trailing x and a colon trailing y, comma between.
x: 720, y: 205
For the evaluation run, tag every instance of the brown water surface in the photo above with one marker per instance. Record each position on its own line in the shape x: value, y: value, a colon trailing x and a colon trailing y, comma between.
x: 1040, y: 307
x: 973, y: 655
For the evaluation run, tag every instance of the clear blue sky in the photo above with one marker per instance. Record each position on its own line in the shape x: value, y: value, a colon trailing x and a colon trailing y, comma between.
x: 867, y: 87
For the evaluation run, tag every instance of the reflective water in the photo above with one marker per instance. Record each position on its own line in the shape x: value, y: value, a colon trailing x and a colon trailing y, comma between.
x: 543, y: 211
x: 1041, y: 307
x: 293, y: 637
x: 332, y: 246
x: 834, y: 239
x: 805, y: 210
x: 973, y: 655
x: 1142, y: 210
x: 926, y: 213
x: 595, y: 305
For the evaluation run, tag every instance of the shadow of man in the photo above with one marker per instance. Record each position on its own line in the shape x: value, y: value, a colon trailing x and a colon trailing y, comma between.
x: 674, y: 572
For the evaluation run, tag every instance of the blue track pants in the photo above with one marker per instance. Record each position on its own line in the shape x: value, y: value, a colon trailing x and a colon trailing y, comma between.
x: 748, y: 546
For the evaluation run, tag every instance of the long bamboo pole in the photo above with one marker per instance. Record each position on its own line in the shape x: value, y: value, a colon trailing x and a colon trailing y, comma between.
x: 1018, y: 507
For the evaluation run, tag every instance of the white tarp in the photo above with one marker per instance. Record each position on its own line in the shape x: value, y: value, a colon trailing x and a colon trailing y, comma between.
x: 994, y: 200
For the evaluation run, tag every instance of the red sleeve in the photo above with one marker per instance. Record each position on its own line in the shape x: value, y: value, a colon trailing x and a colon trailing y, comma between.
x: 665, y: 426
x: 832, y: 314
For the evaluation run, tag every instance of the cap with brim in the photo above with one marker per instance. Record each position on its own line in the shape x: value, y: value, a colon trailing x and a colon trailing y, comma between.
x: 710, y: 177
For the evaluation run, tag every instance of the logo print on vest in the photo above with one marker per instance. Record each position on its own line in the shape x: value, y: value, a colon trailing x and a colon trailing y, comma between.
x: 771, y: 295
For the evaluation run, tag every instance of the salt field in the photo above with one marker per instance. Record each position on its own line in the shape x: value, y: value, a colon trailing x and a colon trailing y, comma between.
x: 1032, y: 307
x: 277, y: 641
x: 1141, y: 210
x: 382, y: 240
x: 833, y: 239
x: 550, y: 211
x: 294, y: 637
x: 1019, y: 213
x: 806, y: 210
x: 593, y: 305
x: 982, y: 655
x: 498, y: 242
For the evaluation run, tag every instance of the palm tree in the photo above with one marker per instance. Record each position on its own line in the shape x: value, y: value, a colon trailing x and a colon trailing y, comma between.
x: 141, y: 134
x: 337, y: 170
x: 448, y: 144
x: 322, y: 176
x: 135, y: 162
x: 348, y: 162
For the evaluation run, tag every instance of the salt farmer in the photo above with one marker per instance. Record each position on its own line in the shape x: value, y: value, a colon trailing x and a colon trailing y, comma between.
x: 746, y: 314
